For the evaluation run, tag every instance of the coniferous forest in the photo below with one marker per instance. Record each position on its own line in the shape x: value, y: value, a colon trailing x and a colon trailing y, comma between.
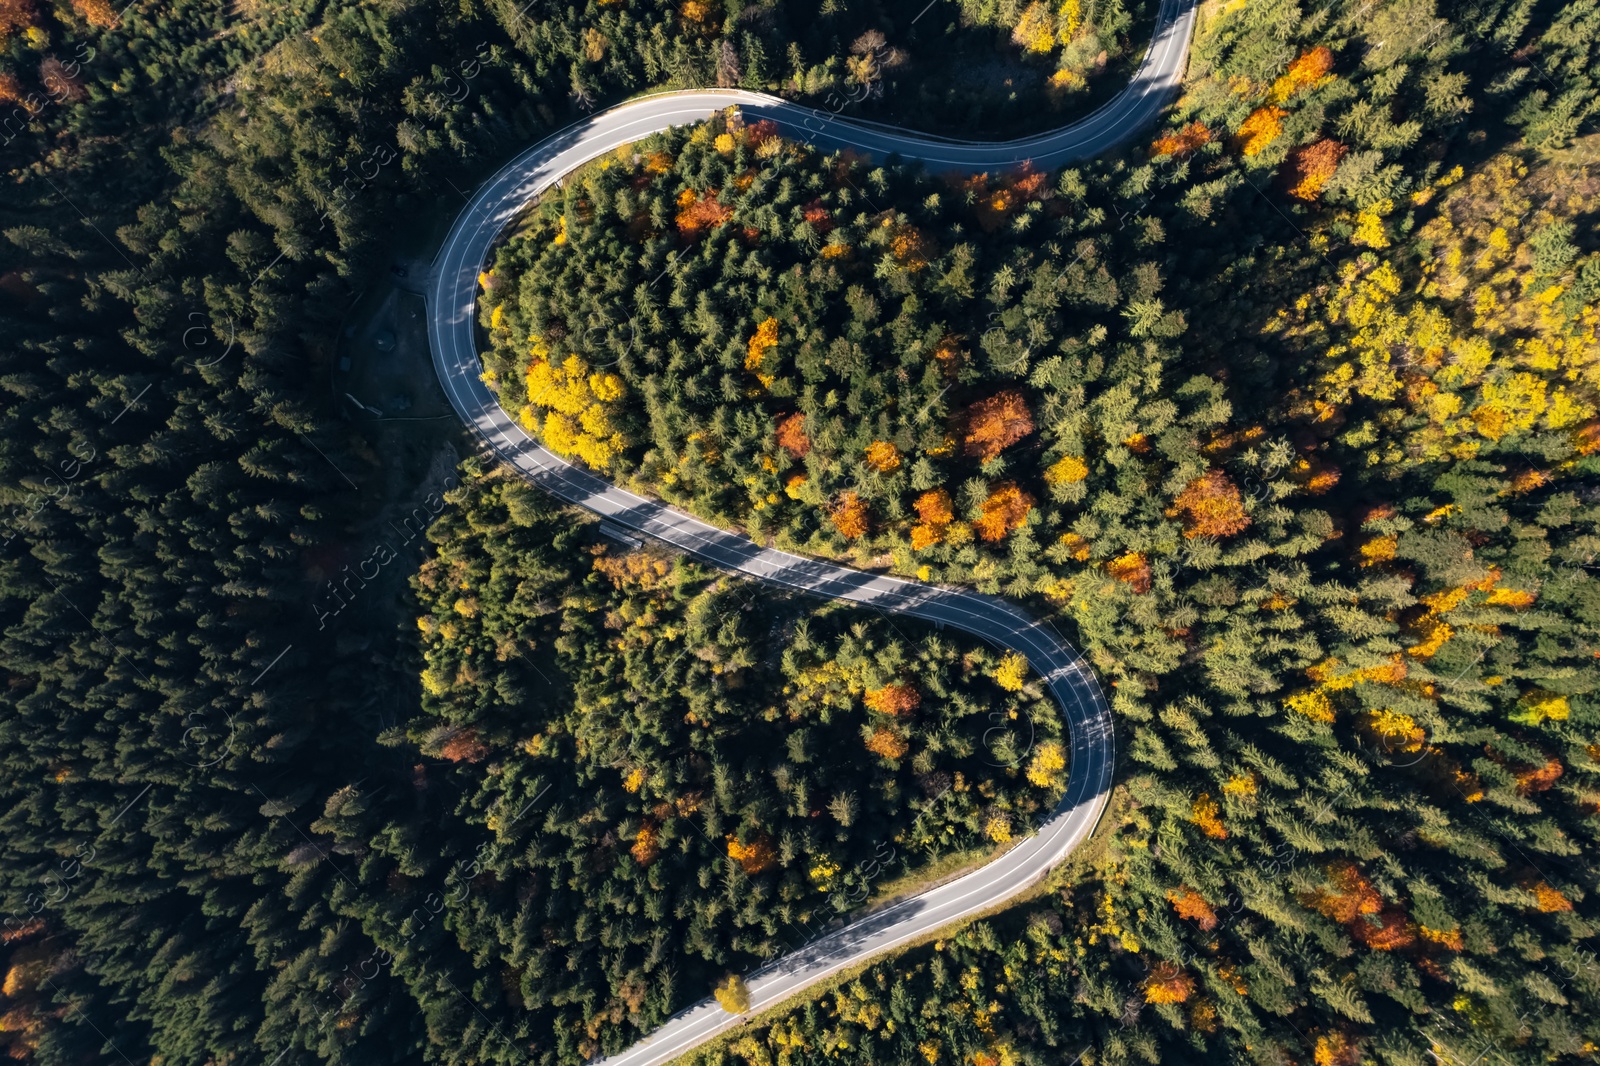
x: 326, y: 739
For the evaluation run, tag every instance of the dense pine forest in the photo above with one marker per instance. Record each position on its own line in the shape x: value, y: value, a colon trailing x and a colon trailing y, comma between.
x: 682, y: 774
x: 1287, y: 416
x: 1317, y: 493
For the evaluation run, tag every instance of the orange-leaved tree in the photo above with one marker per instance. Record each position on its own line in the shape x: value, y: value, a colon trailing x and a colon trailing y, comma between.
x: 1348, y: 897
x: 1347, y: 894
x: 883, y: 457
x: 697, y: 214
x: 754, y: 855
x: 1533, y: 779
x: 98, y: 13
x: 1388, y: 930
x: 895, y: 699
x: 1311, y: 166
x: 1133, y: 569
x: 1191, y: 904
x: 1193, y: 136
x: 1548, y: 898
x: 818, y: 217
x: 1311, y: 67
x: 14, y: 15
x: 887, y: 743
x: 934, y: 508
x: 996, y: 423
x: 646, y: 845
x: 1260, y: 129
x: 1167, y: 983
x: 1006, y: 509
x: 792, y: 436
x: 936, y: 513
x: 464, y: 746
x: 1212, y: 506
x: 911, y: 248
x: 849, y: 515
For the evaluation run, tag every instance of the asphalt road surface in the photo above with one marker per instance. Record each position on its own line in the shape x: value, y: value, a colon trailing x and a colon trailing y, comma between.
x: 452, y: 295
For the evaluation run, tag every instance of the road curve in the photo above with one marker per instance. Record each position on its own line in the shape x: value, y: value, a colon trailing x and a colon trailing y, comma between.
x: 452, y: 296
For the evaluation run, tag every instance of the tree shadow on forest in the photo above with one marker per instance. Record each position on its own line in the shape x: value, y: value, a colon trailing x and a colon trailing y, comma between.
x: 1238, y: 347
x: 943, y: 74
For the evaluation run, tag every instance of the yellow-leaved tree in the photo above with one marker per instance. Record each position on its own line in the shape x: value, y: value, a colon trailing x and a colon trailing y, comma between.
x: 573, y: 408
x: 1045, y: 769
x: 1484, y: 339
x: 733, y: 994
x: 1012, y: 671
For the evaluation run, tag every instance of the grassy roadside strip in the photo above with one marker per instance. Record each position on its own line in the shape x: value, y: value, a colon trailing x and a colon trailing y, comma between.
x: 1082, y: 859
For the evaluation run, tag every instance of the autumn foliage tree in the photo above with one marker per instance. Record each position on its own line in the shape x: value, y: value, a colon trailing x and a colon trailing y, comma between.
x: 733, y: 995
x: 996, y: 423
x: 934, y: 508
x: 1348, y: 897
x: 97, y: 13
x: 1133, y: 569
x: 1067, y: 470
x: 883, y: 457
x: 1539, y: 778
x: 886, y: 742
x: 1168, y: 983
x: 753, y: 855
x: 911, y: 248
x: 1308, y: 68
x: 1005, y: 510
x: 578, y: 405
x: 464, y: 746
x: 792, y: 436
x: 897, y: 699
x: 849, y: 515
x: 699, y: 213
x: 1207, y: 814
x: 1212, y: 506
x: 996, y: 200
x: 1188, y: 139
x: 935, y: 511
x: 1335, y: 1049
x: 1011, y: 672
x: 1192, y: 905
x: 764, y: 340
x: 15, y: 15
x: 1548, y: 899
x: 646, y: 845
x: 1311, y: 166
x: 818, y: 217
x: 1388, y: 930
x: 1259, y: 129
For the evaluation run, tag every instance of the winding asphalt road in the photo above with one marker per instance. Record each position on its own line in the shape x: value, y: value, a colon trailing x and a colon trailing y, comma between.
x: 452, y: 297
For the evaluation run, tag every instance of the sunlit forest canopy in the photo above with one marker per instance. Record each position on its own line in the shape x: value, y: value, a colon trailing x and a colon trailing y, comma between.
x: 1286, y: 416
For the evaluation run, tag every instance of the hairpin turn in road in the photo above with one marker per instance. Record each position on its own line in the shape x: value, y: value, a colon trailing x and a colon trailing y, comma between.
x: 452, y: 297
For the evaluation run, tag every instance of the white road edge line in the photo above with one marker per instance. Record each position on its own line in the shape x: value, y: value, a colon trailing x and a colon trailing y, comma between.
x: 452, y: 300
